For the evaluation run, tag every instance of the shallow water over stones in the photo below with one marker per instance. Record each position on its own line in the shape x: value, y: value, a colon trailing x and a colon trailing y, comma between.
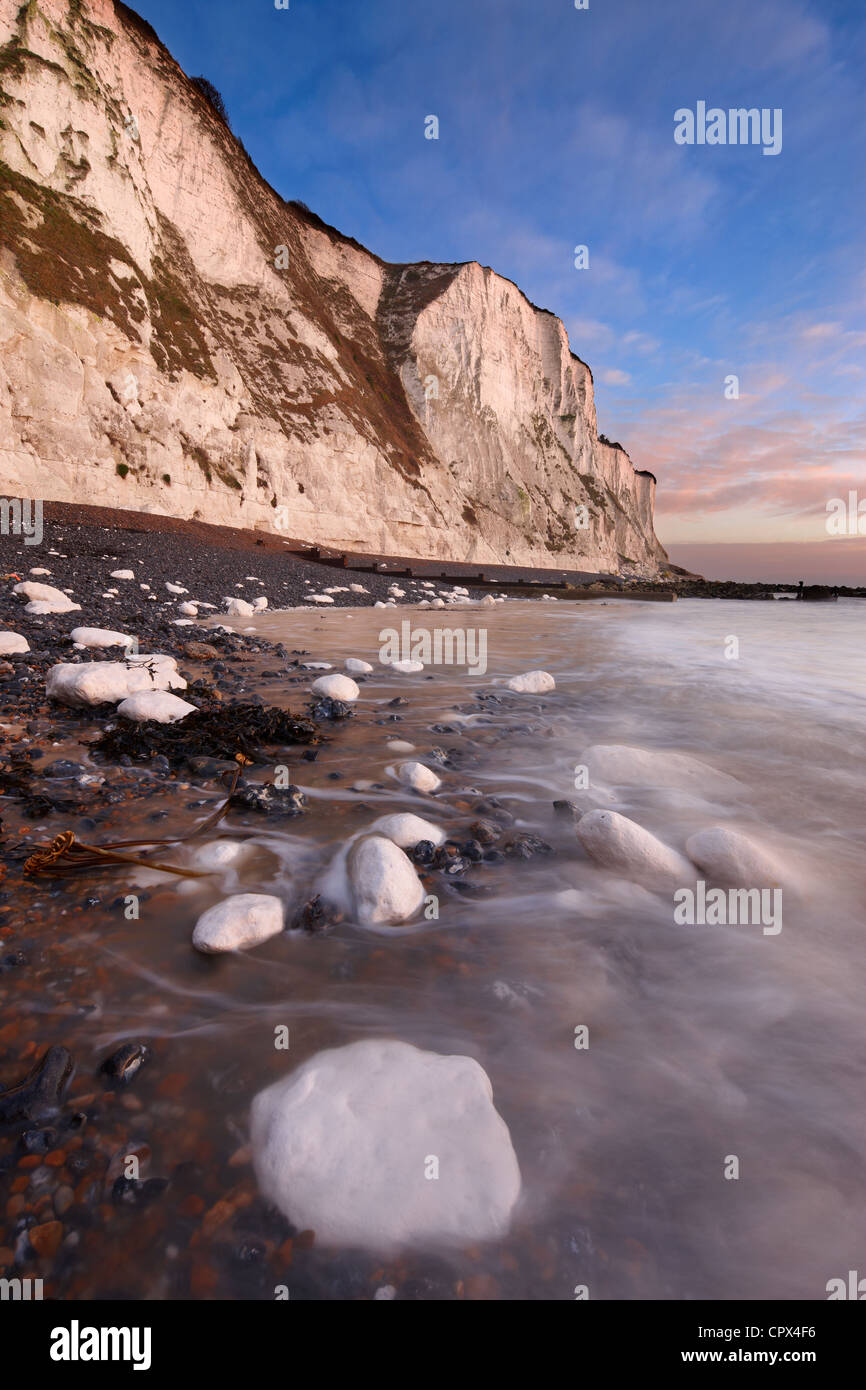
x: 704, y: 1042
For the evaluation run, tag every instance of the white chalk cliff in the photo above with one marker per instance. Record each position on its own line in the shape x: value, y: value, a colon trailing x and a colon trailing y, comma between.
x: 176, y: 338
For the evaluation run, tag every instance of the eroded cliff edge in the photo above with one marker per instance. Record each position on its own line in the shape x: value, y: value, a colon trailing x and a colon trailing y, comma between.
x: 176, y: 338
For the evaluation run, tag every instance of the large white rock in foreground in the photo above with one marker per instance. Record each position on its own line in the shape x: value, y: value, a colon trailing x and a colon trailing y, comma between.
x: 336, y: 687
x: 13, y: 642
x: 407, y: 830
x: 345, y: 1145
x: 99, y: 682
x: 44, y: 598
x: 728, y: 856
x: 235, y: 924
x: 532, y: 683
x: 621, y: 844
x: 385, y: 887
x: 158, y: 705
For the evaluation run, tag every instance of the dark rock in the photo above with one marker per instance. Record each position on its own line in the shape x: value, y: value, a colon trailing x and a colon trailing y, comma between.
x: 270, y: 800
x: 526, y: 846
x: 124, y: 1064
x: 11, y: 961
x: 200, y: 651
x: 39, y: 1141
x: 423, y: 853
x: 487, y: 832
x: 62, y: 767
x: 326, y: 708
x: 40, y: 1091
x: 317, y: 916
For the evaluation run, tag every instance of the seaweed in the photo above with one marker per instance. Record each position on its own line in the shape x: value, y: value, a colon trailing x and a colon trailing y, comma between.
x: 212, y: 733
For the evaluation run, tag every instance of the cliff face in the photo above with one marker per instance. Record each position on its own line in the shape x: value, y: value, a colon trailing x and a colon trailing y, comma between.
x: 176, y: 338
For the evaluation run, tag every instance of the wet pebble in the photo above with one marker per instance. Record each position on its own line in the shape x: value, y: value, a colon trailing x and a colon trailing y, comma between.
x: 124, y: 1064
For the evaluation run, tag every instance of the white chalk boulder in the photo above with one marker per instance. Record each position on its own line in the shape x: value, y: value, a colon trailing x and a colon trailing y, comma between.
x: 99, y: 637
x: 237, y: 923
x: 44, y: 598
x: 385, y: 887
x: 356, y: 667
x: 12, y: 642
x: 341, y: 1146
x: 260, y: 604
x: 728, y: 856
x: 238, y: 608
x: 418, y: 777
x: 122, y: 574
x: 623, y: 766
x: 532, y: 683
x: 407, y: 830
x: 100, y: 682
x: 336, y: 687
x: 621, y: 844
x: 158, y: 705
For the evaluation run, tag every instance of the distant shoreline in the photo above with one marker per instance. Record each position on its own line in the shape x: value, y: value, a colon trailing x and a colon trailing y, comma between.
x: 218, y: 551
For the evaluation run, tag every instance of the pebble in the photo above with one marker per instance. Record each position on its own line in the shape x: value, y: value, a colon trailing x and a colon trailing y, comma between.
x: 728, y: 856
x: 385, y: 887
x: 238, y: 922
x: 44, y: 598
x: 201, y: 651
x: 405, y: 668
x: 158, y: 705
x: 99, y: 637
x: 407, y: 830
x: 532, y: 683
x: 336, y: 687
x: 418, y: 777
x: 621, y: 844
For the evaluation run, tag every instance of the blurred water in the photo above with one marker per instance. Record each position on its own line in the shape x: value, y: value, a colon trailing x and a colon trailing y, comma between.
x: 705, y: 1043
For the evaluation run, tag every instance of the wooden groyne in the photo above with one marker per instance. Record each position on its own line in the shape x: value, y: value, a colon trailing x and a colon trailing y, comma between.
x: 519, y: 581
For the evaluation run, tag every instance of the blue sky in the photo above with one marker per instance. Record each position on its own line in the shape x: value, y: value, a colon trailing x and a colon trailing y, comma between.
x: 556, y: 129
